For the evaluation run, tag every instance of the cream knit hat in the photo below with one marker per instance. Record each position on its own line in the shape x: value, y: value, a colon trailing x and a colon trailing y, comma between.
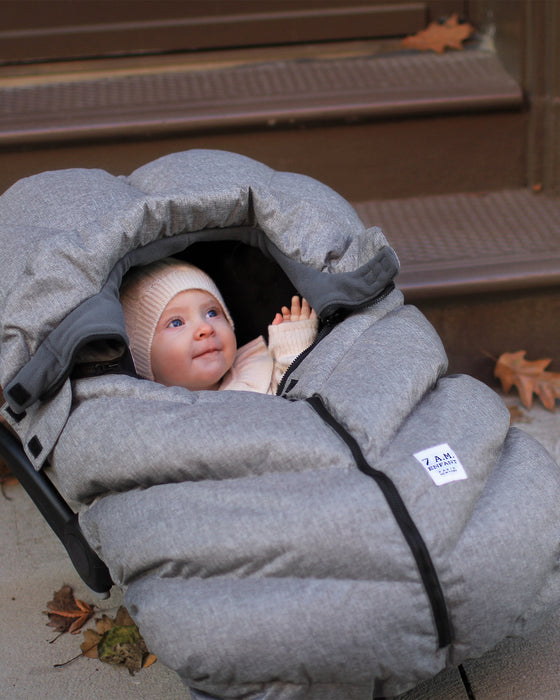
x: 144, y: 295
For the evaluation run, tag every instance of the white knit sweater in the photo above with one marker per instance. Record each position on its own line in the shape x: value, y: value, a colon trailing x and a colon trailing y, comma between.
x: 258, y: 367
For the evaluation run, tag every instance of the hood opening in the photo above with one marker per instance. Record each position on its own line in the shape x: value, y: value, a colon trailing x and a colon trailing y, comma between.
x: 254, y: 286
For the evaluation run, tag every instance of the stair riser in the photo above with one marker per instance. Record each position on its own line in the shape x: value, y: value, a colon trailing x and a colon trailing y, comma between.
x: 476, y: 326
x: 362, y: 161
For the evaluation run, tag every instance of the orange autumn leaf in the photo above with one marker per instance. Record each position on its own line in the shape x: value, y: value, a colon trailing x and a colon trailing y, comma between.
x: 149, y: 660
x: 530, y: 377
x: 440, y: 35
x: 66, y: 613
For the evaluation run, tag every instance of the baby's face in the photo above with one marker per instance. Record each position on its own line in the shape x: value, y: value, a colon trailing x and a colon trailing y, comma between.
x: 194, y: 345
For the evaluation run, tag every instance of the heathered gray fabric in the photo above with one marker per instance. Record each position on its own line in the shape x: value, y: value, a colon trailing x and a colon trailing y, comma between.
x: 257, y: 559
x: 272, y: 557
x: 101, y: 221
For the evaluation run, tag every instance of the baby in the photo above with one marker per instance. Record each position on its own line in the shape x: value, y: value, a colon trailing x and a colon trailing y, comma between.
x: 181, y: 332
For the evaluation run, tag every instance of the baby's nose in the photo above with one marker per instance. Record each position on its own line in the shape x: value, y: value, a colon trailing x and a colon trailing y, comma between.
x: 204, y: 330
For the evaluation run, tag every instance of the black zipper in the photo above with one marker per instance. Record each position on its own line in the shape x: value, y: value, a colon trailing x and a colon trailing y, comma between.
x: 323, y: 331
x: 406, y: 524
x: 332, y: 318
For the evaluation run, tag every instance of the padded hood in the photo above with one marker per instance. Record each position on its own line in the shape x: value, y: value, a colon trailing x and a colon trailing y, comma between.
x: 67, y: 238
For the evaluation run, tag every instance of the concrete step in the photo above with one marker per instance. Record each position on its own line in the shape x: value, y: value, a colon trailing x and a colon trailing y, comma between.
x: 470, y: 243
x: 366, y: 120
x: 399, y: 132
x: 484, y: 268
x: 253, y: 94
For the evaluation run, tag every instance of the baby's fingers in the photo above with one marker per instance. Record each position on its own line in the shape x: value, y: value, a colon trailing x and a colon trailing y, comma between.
x: 305, y: 309
x: 299, y: 311
x: 296, y: 309
x: 284, y: 315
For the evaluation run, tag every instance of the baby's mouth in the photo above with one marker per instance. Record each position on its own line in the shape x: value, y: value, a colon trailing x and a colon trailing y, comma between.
x: 207, y: 351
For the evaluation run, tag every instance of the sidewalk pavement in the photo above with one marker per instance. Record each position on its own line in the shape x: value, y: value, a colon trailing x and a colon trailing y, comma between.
x: 33, y: 564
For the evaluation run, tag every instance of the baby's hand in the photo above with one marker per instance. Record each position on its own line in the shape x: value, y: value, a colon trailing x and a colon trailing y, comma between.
x: 299, y: 312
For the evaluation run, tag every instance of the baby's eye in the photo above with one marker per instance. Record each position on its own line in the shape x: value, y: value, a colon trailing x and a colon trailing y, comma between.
x: 212, y: 313
x: 175, y: 323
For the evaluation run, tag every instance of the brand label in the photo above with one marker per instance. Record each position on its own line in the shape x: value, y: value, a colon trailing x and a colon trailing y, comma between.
x: 442, y: 464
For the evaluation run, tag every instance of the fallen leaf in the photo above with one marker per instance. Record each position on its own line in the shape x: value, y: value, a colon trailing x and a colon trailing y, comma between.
x: 6, y: 479
x: 117, y: 642
x: 89, y: 645
x: 66, y: 613
x: 122, y: 645
x: 440, y: 35
x: 516, y: 415
x: 530, y: 377
x: 123, y: 617
x: 149, y: 660
x: 6, y: 476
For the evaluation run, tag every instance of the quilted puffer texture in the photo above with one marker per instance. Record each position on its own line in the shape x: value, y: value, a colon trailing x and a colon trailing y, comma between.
x: 372, y: 525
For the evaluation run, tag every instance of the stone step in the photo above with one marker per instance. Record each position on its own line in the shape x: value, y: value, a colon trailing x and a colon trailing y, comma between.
x: 252, y: 94
x: 367, y: 121
x: 471, y: 243
x: 484, y: 268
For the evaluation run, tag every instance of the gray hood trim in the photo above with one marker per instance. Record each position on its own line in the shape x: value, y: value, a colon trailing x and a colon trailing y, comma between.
x: 100, y: 317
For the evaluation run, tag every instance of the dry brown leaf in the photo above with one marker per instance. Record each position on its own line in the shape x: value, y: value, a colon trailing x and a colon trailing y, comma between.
x: 123, y: 617
x: 516, y: 415
x: 114, y: 641
x: 530, y: 377
x: 117, y: 641
x: 66, y: 613
x: 103, y: 624
x: 6, y: 479
x: 89, y: 645
x: 6, y: 476
x: 440, y: 35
